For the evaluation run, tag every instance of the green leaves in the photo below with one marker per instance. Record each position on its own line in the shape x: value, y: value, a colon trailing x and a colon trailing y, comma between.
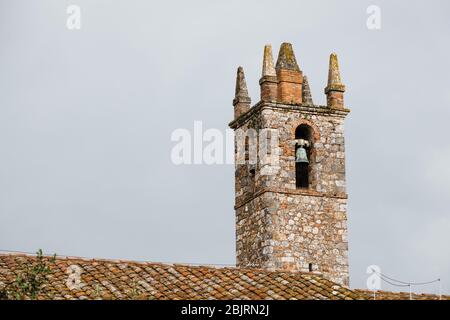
x: 31, y: 279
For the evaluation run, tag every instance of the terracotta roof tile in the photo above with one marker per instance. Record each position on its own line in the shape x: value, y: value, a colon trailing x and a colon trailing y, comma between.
x: 109, y: 279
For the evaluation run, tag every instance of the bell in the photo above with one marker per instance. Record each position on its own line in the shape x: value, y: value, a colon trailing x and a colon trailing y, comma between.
x: 301, y: 156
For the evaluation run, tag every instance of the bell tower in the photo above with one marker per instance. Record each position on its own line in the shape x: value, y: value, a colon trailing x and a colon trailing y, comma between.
x: 291, y: 205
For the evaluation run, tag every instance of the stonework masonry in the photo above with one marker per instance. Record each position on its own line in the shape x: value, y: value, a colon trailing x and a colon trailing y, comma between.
x: 280, y: 226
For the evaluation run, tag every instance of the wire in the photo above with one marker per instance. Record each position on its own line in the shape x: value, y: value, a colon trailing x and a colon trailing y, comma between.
x: 405, y: 283
x: 394, y: 284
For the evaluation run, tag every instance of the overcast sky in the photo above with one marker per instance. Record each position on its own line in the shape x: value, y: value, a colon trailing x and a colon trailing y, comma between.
x: 86, y: 118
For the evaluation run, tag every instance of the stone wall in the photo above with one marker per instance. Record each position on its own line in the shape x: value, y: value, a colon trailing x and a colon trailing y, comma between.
x: 279, y: 226
x: 289, y: 232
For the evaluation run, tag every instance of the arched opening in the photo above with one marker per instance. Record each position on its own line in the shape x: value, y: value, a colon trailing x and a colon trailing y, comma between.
x: 250, y: 145
x: 303, y: 133
x: 246, y: 148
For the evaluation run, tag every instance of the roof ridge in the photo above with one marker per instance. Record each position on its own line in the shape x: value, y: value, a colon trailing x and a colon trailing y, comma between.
x: 367, y: 291
x: 180, y: 264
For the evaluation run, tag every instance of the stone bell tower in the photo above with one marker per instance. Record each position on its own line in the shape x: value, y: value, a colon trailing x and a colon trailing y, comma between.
x: 291, y: 207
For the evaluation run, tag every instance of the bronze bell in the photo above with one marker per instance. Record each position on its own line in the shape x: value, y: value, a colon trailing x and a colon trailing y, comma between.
x: 301, y: 156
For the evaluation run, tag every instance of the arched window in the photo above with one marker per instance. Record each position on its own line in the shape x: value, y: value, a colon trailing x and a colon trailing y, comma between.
x: 251, y: 149
x: 303, y: 134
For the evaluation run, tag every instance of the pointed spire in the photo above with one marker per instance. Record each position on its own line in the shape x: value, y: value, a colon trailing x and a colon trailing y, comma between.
x: 286, y: 58
x: 241, y: 85
x: 241, y: 101
x: 289, y: 76
x: 307, y: 98
x: 334, y: 77
x: 268, y: 68
x: 335, y: 88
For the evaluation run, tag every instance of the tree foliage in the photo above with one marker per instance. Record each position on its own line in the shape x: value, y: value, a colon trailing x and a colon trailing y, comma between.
x: 32, y: 277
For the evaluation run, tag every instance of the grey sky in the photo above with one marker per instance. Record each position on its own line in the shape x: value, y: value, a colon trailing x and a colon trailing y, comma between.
x: 86, y: 118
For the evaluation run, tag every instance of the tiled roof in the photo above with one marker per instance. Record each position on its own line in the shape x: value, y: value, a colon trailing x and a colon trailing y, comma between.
x: 113, y: 279
x: 109, y: 279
